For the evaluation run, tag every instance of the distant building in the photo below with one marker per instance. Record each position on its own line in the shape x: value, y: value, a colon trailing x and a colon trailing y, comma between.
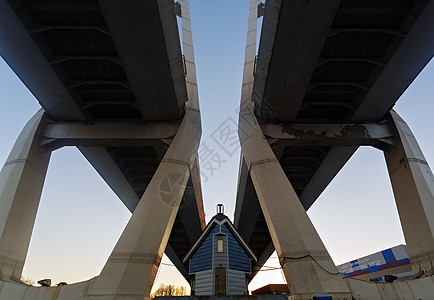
x: 220, y: 260
x: 393, y: 261
x: 272, y: 289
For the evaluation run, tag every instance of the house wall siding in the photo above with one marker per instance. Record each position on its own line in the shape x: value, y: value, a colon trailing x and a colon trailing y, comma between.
x: 236, y: 283
x: 238, y: 258
x: 204, y: 283
x: 202, y: 258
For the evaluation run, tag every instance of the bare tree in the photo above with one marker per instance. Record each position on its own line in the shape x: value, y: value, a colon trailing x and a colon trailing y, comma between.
x: 28, y: 281
x: 169, y: 290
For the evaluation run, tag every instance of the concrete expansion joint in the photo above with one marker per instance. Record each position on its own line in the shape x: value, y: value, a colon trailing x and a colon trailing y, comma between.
x: 421, y: 260
x: 262, y: 161
x: 135, y: 258
x: 187, y: 107
x: 424, y: 256
x: 15, y: 161
x: 191, y: 82
x: 176, y: 161
x: 246, y: 112
x: 11, y: 264
x: 250, y: 81
x: 404, y: 162
x: 417, y: 160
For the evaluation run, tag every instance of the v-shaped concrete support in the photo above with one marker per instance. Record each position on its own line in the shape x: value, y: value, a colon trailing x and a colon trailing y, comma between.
x: 132, y: 266
x: 413, y: 186
x: 21, y: 182
x: 306, y: 264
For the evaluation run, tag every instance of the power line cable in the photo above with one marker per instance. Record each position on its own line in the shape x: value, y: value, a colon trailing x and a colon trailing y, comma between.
x: 308, y: 255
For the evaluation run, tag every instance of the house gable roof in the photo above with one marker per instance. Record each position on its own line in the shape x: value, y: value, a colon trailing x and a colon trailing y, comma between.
x: 219, y: 219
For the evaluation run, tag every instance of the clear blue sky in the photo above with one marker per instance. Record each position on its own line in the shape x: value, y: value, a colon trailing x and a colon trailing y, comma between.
x: 78, y: 224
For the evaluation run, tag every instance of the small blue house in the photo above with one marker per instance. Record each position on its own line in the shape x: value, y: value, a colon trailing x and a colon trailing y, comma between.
x: 220, y: 260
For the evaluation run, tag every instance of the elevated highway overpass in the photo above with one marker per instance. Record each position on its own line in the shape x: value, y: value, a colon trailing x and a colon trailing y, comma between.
x: 322, y: 84
x: 115, y: 80
x: 122, y: 88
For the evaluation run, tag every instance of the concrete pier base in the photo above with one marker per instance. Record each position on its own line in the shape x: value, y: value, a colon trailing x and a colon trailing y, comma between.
x: 416, y: 289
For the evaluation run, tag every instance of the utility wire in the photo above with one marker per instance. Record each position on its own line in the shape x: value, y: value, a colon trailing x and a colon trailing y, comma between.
x: 308, y: 255
x: 267, y: 268
x: 170, y: 265
x: 270, y: 268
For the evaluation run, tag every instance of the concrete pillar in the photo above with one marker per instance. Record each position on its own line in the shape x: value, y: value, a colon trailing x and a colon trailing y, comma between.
x: 132, y: 266
x: 21, y: 181
x: 306, y: 263
x: 413, y: 186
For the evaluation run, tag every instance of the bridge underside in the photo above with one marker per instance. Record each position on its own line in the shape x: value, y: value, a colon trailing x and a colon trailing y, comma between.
x: 112, y: 80
x: 116, y: 85
x: 311, y: 87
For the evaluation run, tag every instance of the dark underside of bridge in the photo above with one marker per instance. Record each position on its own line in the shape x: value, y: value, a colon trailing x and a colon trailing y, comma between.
x: 363, y: 56
x: 94, y: 61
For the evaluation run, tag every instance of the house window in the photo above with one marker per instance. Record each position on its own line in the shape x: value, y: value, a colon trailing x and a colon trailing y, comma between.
x: 219, y: 245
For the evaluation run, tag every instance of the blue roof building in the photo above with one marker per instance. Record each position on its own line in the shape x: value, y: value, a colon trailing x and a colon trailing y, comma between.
x: 220, y: 260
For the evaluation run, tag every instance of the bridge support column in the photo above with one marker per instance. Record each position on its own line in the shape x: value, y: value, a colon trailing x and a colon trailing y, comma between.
x: 413, y: 186
x: 21, y: 182
x: 132, y: 266
x: 306, y: 263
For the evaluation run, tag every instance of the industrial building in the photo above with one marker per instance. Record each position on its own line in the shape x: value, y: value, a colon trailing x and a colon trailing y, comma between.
x: 393, y: 261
